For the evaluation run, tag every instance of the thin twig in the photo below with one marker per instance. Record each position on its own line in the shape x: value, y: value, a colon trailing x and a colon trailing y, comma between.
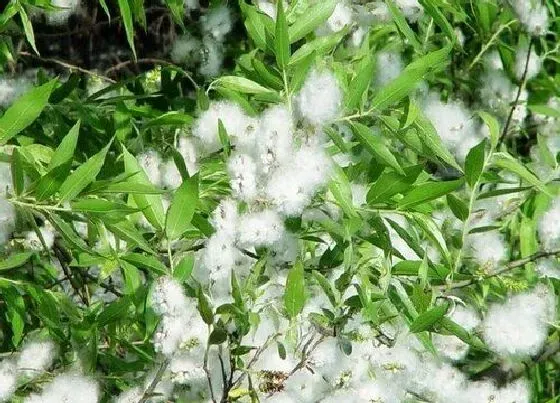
x: 255, y: 357
x: 516, y: 101
x: 205, y: 366
x: 150, y: 390
x: 67, y: 65
x: 510, y: 266
x: 58, y: 251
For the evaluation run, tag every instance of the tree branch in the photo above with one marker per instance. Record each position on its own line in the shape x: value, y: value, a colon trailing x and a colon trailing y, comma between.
x: 510, y: 266
x: 150, y: 390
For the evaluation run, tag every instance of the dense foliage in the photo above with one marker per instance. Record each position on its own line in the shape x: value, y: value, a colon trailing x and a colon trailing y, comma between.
x: 300, y: 201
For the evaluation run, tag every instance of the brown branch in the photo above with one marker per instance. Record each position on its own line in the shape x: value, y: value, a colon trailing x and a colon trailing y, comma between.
x: 519, y: 90
x: 66, y: 65
x: 150, y: 390
x: 510, y: 266
x: 60, y: 255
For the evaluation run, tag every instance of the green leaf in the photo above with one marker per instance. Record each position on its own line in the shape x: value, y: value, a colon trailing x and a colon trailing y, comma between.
x: 151, y: 205
x: 114, y: 312
x: 218, y: 336
x: 128, y: 232
x: 268, y: 76
x: 294, y: 296
x: 326, y: 286
x: 474, y: 163
x: 65, y: 151
x: 205, y: 308
x: 172, y: 118
x: 184, y: 268
x: 319, y: 46
x: 126, y: 15
x: 311, y: 19
x: 224, y: 138
x: 431, y: 8
x: 83, y: 175
x: 147, y: 261
x: 13, y: 261
x: 427, y: 319
x: 101, y: 206
x: 506, y: 161
x: 182, y: 208
x: 18, y: 174
x: 360, y: 83
x: 281, y: 40
x: 60, y: 165
x: 342, y: 192
x: 242, y: 84
x: 391, y: 183
x: 24, y: 111
x: 458, y: 207
x: 126, y: 187
x: 402, y: 25
x: 429, y: 137
x: 15, y: 312
x: 429, y: 191
x: 493, y: 127
x: 376, y: 147
x: 28, y: 29
x: 258, y: 25
x: 68, y: 233
x: 403, y: 85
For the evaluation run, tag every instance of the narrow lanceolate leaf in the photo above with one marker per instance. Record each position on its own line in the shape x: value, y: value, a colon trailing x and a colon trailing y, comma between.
x: 376, y: 147
x: 18, y: 175
x: 146, y: 261
x: 342, y: 192
x: 68, y: 233
x: 28, y: 29
x: 431, y: 8
x: 24, y: 111
x: 360, y: 84
x: 427, y: 319
x: 410, y: 77
x: 312, y: 18
x: 242, y: 84
x: 506, y: 161
x: 429, y: 191
x: 402, y: 25
x: 17, y: 260
x: 294, y: 296
x: 182, y: 208
x: 126, y: 15
x: 431, y: 140
x: 150, y: 204
x: 493, y: 127
x: 392, y: 183
x: 281, y: 41
x: 83, y: 176
x: 319, y: 46
x: 474, y: 163
x: 458, y: 207
x: 126, y: 231
x: 101, y: 206
x: 60, y: 165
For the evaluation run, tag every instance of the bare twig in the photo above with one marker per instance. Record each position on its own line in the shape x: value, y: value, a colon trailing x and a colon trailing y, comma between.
x: 157, y: 377
x: 510, y: 266
x: 205, y: 366
x: 60, y: 255
x: 255, y: 358
x: 67, y: 65
x: 519, y: 90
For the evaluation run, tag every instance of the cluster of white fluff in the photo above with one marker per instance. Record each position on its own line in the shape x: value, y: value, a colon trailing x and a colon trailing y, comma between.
x: 320, y: 99
x: 32, y: 241
x: 276, y: 169
x: 61, y: 12
x: 35, y: 358
x: 374, y: 372
x: 532, y: 14
x: 519, y: 327
x: 11, y: 89
x: 497, y: 92
x: 164, y: 173
x: 341, y: 17
x: 7, y: 211
x: 207, y: 49
x: 181, y: 328
x: 69, y: 387
x: 451, y: 347
x: 181, y: 337
x: 488, y: 249
x: 549, y: 226
x: 389, y: 66
x: 455, y: 124
x: 533, y: 66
